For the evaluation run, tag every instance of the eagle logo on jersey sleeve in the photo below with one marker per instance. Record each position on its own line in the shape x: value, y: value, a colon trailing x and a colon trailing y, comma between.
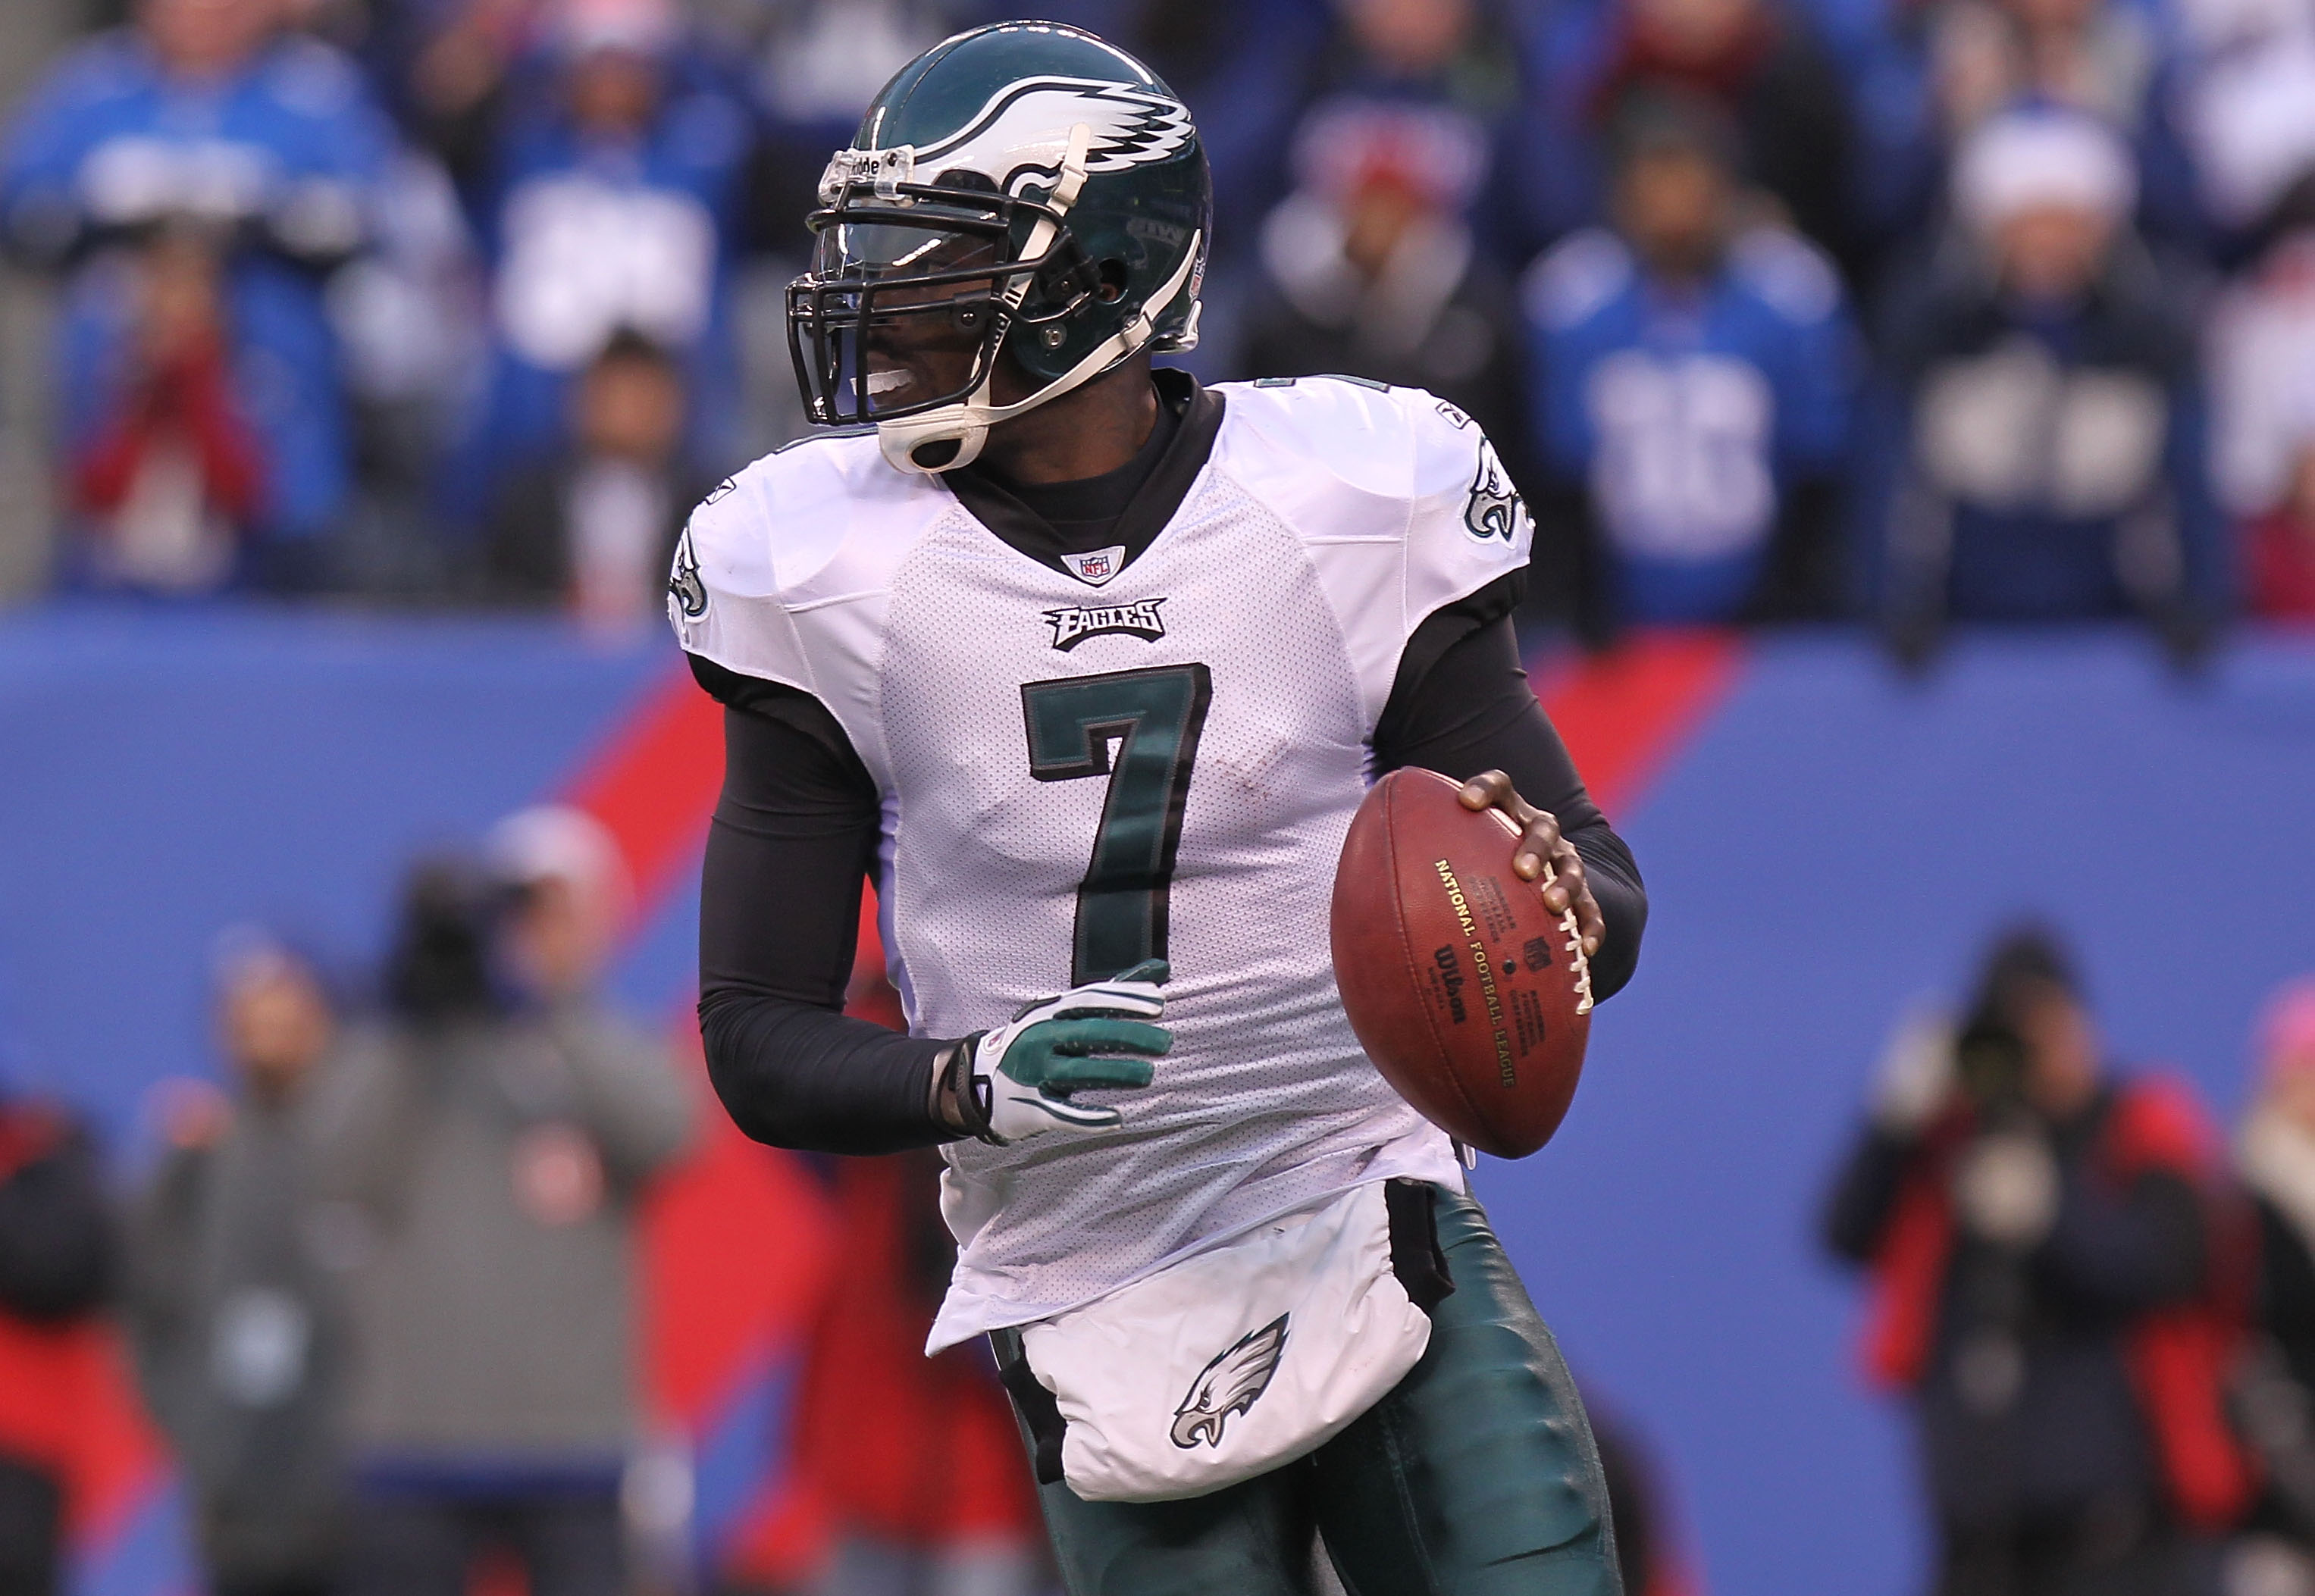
x: 1024, y: 130
x: 1231, y: 1384
x: 683, y: 583
x: 1493, y: 509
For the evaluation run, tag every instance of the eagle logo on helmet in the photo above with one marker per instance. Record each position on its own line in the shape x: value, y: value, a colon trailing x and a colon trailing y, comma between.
x: 1228, y: 1385
x: 1024, y: 132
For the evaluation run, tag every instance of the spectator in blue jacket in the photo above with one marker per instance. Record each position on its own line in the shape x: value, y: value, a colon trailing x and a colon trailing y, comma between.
x: 608, y: 202
x: 201, y: 121
x: 1695, y: 369
x: 2037, y: 444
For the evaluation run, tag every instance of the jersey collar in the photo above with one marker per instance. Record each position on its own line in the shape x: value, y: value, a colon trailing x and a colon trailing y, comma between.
x: 1152, y: 507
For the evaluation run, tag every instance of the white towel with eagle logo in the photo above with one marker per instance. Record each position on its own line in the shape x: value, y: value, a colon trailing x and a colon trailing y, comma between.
x: 1233, y: 1362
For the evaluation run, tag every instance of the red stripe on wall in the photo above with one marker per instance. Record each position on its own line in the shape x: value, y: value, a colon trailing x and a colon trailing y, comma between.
x: 736, y: 1249
x: 653, y: 783
x: 1626, y: 712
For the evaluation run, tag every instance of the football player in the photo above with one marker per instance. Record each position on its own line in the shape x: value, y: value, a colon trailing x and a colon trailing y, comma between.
x: 1088, y: 667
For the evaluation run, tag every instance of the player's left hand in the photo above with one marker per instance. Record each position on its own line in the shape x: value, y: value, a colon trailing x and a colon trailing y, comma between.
x: 1541, y: 844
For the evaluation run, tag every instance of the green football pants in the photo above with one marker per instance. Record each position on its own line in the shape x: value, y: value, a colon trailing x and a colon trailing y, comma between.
x: 1477, y: 1475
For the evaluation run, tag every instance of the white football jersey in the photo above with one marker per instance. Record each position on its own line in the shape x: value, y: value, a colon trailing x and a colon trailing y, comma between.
x: 1153, y: 760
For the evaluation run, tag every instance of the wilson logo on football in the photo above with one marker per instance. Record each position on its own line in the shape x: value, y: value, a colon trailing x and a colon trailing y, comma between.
x: 1072, y: 625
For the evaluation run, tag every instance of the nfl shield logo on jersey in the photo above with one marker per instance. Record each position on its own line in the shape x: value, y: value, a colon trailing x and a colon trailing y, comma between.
x: 1097, y: 567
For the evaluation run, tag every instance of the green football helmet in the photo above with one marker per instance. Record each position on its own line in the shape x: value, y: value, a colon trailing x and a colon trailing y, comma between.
x: 1023, y: 204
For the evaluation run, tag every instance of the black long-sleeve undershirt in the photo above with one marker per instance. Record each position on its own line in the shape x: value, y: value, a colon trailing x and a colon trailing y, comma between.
x: 796, y: 832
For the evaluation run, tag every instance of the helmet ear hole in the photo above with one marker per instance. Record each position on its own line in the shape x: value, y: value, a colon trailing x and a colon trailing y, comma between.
x: 1111, y: 281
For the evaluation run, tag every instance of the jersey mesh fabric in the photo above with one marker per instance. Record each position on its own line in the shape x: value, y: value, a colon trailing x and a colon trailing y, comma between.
x: 1265, y: 1104
x: 1330, y: 517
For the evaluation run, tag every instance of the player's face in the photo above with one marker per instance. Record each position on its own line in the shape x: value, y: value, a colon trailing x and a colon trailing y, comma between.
x: 917, y: 341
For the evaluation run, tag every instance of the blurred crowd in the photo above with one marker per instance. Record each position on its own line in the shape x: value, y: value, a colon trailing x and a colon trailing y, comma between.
x: 2102, y: 1321
x: 382, y: 1287
x: 379, y: 1287
x: 1912, y: 312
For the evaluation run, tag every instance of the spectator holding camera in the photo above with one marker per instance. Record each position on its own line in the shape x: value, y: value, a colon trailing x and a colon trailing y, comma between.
x: 195, y: 177
x: 2044, y: 1251
x: 2036, y: 447
x: 232, y: 1306
x: 495, y: 1138
x: 1696, y: 363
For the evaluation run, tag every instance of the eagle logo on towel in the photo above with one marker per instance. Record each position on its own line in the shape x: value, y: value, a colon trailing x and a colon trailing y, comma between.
x: 1228, y: 1385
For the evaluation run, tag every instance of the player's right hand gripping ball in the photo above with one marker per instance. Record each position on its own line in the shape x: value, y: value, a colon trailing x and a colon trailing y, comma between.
x: 1022, y: 1073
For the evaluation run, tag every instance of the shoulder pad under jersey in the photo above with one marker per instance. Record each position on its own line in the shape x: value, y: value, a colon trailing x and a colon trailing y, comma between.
x: 1399, y: 498
x: 812, y: 522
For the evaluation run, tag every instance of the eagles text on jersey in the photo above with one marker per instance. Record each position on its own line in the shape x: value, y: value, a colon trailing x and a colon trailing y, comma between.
x: 1074, y: 781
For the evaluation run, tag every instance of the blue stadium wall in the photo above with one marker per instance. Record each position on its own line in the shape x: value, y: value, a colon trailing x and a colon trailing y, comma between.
x: 1825, y: 845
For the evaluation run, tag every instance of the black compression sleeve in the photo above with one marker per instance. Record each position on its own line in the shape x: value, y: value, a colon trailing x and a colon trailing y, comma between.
x: 794, y: 834
x: 1462, y: 705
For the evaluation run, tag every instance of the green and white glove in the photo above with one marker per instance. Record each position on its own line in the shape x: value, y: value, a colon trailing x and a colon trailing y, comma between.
x: 1014, y: 1082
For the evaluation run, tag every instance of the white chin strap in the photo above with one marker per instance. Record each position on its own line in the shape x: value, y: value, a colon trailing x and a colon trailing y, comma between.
x: 966, y: 423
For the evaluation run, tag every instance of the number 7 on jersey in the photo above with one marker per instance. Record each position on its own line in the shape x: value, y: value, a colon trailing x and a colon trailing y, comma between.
x: 1154, y: 717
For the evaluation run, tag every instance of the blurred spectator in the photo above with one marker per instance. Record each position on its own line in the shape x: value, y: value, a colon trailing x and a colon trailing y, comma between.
x: 824, y: 60
x: 2281, y: 552
x: 918, y: 1459
x: 240, y: 1342
x: 2262, y: 364
x: 1761, y: 66
x: 56, y: 1262
x: 607, y: 171
x: 1697, y: 367
x: 2036, y: 450
x: 1948, y: 67
x: 2246, y: 108
x: 1374, y: 272
x: 410, y: 315
x: 169, y: 473
x: 2049, y: 1289
x: 595, y: 530
x: 198, y: 371
x: 1430, y: 83
x: 495, y: 1137
x: 2276, y: 1157
x: 1647, y: 1549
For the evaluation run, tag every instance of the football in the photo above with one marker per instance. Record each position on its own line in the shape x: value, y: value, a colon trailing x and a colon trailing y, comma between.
x: 1473, y: 999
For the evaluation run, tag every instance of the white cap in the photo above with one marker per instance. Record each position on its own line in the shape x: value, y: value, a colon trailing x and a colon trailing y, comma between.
x: 641, y: 27
x: 2041, y: 158
x: 558, y: 842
